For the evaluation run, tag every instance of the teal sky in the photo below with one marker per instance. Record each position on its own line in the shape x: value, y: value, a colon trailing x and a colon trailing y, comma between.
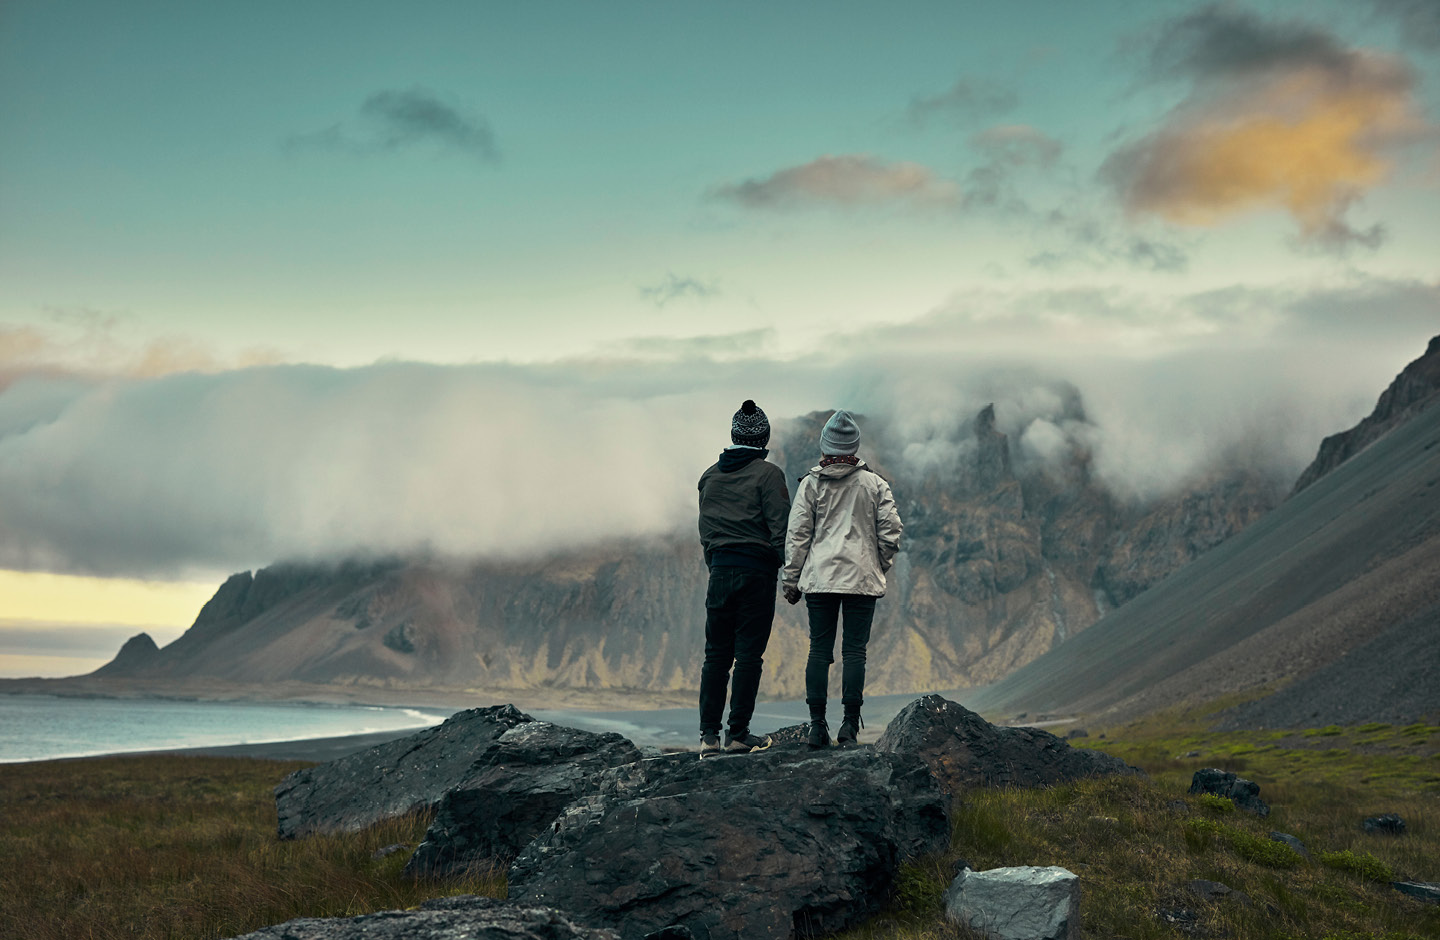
x: 542, y: 180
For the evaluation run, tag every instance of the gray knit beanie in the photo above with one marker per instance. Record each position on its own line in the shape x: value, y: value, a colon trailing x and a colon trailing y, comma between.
x: 749, y: 426
x: 840, y: 436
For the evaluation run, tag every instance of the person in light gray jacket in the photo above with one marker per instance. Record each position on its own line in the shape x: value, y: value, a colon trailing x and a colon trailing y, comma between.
x: 843, y: 535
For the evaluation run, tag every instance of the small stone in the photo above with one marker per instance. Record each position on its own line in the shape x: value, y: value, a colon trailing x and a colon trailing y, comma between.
x: 1178, y: 806
x: 1183, y: 919
x: 1190, y: 754
x: 389, y: 850
x: 1291, y: 841
x: 1077, y: 733
x: 1215, y: 891
x: 1388, y: 824
x: 1423, y: 890
x: 1022, y: 903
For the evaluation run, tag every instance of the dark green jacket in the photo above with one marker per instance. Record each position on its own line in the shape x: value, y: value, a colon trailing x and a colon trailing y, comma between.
x: 744, y: 509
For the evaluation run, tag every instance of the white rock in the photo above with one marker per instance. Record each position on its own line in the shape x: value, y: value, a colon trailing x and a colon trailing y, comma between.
x: 1024, y: 903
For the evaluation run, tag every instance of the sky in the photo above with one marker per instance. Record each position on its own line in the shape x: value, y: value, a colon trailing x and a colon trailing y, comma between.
x: 318, y: 280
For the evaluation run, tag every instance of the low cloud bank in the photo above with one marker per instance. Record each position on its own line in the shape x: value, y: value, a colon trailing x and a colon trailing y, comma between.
x: 200, y: 474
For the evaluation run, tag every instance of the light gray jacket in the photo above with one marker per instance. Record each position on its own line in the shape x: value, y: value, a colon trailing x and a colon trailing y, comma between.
x: 844, y: 532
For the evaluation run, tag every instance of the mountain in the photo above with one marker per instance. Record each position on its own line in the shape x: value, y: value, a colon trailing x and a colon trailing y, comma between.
x: 1325, y: 611
x: 1002, y: 560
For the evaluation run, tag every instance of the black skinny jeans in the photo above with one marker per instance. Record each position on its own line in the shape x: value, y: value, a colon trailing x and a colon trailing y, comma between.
x: 824, y: 610
x: 739, y: 609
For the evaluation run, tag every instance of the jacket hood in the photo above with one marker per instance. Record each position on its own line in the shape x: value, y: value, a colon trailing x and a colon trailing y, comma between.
x: 836, y: 471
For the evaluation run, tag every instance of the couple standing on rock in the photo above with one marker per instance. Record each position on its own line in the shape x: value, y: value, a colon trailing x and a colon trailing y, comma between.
x: 835, y: 544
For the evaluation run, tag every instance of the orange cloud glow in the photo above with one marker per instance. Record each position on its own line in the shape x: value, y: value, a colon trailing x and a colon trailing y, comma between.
x: 1308, y: 139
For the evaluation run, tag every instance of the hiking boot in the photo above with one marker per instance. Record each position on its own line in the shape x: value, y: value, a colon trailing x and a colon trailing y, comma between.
x: 709, y: 743
x: 746, y: 743
x: 819, y: 733
x: 849, y: 730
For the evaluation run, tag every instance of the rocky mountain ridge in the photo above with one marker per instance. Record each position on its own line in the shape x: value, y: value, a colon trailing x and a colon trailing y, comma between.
x: 1000, y: 562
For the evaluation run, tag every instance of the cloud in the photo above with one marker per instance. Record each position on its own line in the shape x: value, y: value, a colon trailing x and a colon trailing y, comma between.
x: 84, y: 342
x: 967, y: 100
x: 392, y: 120
x: 1088, y: 238
x: 679, y: 288
x: 1007, y: 149
x: 1419, y: 20
x: 1277, y: 115
x: 199, y: 474
x: 848, y: 180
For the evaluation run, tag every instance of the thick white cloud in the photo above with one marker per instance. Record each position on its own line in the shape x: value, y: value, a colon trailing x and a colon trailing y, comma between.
x: 204, y: 473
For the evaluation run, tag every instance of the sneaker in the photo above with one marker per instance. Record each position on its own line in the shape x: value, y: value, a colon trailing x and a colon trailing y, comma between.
x: 746, y: 743
x: 819, y: 733
x: 848, y: 730
x: 709, y: 743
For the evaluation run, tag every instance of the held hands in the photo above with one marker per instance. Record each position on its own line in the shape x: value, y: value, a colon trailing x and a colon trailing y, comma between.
x: 792, y: 595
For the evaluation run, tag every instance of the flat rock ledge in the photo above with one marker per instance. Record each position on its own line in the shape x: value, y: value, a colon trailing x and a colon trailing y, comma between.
x: 399, y: 777
x: 459, y: 918
x: 962, y: 749
x: 783, y: 843
x: 515, y: 788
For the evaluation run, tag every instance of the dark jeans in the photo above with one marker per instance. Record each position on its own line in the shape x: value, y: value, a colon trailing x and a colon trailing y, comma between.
x: 824, y: 612
x: 739, y: 608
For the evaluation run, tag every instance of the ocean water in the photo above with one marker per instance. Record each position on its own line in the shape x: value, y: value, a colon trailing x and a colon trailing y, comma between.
x: 44, y: 727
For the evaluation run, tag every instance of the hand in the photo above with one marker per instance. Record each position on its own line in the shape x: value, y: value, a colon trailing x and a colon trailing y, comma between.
x: 792, y: 595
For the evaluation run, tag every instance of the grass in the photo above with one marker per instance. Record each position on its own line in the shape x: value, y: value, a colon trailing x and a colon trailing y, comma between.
x: 1137, y: 842
x: 185, y: 847
x: 182, y: 848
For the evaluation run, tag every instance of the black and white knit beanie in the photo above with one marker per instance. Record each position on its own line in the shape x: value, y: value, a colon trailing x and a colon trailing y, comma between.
x: 750, y: 426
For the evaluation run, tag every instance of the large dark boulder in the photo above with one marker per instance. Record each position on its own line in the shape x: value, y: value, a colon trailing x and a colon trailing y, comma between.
x: 1243, y: 793
x: 392, y: 779
x: 515, y: 788
x: 963, y: 749
x: 782, y: 843
x: 461, y: 918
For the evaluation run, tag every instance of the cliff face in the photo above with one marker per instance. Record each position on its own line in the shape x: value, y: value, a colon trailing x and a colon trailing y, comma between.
x: 1413, y: 390
x: 996, y: 569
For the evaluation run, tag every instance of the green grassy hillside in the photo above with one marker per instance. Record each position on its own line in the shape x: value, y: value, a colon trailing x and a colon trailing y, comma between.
x: 184, y: 847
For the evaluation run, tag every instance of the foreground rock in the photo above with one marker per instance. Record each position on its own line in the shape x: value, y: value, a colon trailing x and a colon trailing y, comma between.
x: 1243, y: 793
x: 514, y: 789
x: 1024, y: 903
x: 964, y: 749
x: 389, y: 780
x: 776, y: 844
x: 462, y: 918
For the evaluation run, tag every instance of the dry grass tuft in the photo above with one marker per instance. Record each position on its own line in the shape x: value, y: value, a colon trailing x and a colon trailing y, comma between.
x: 182, y: 848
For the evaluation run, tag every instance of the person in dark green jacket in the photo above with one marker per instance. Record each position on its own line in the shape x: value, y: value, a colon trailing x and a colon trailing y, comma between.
x: 744, y: 510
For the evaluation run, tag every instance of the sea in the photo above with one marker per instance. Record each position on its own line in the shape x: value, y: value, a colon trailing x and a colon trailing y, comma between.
x: 47, y: 727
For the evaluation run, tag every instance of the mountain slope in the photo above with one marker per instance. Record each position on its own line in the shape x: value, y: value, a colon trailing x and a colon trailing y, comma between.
x: 1346, y: 569
x: 998, y: 565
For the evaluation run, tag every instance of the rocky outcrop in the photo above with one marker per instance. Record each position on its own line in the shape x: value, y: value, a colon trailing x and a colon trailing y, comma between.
x: 514, y: 789
x: 780, y: 843
x: 1414, y: 389
x: 403, y: 776
x: 962, y: 749
x: 1245, y: 794
x: 134, y: 658
x: 1022, y: 903
x: 459, y: 918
